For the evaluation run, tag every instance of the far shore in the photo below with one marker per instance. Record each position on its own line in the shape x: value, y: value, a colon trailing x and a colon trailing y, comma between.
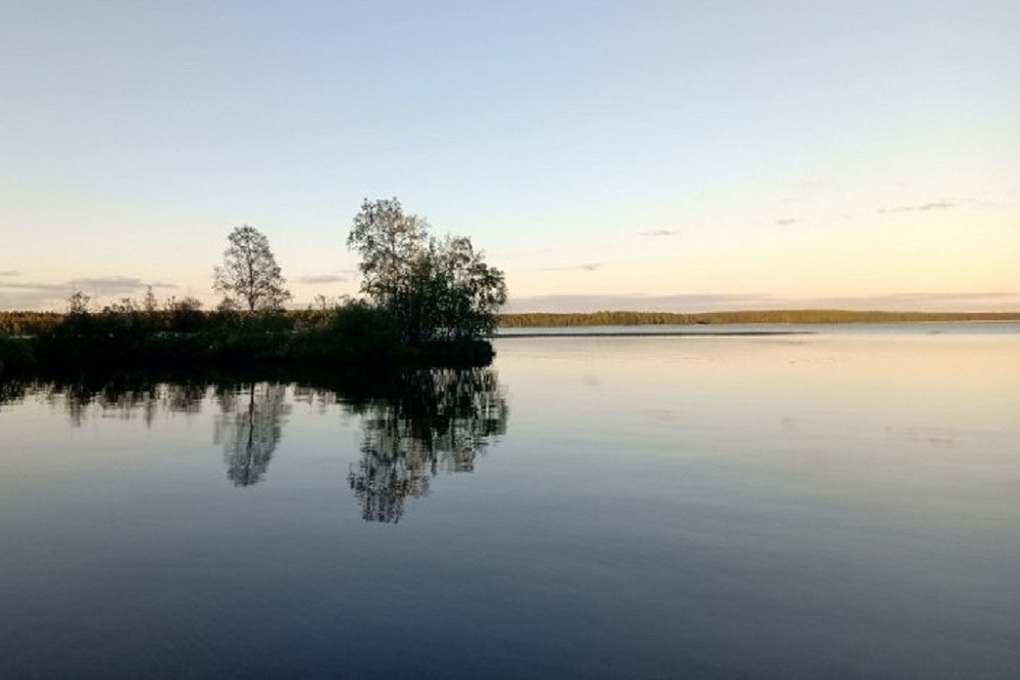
x: 639, y: 334
x: 742, y: 317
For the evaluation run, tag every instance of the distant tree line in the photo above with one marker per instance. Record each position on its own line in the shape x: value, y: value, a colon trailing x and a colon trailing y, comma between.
x: 794, y: 316
x: 27, y: 323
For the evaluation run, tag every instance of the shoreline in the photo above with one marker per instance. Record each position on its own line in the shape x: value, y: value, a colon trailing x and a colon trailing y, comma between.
x: 551, y: 333
x: 822, y: 317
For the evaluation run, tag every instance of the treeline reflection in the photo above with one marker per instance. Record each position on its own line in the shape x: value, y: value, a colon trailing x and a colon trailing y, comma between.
x: 415, y: 424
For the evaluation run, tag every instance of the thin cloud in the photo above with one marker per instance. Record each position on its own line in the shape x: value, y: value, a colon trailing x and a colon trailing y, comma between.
x: 937, y: 205
x: 658, y: 232
x: 986, y: 301
x: 981, y: 301
x: 115, y: 285
x: 323, y: 278
x: 42, y: 287
x: 9, y: 272
x: 899, y: 299
x: 784, y: 221
x: 923, y: 207
x: 32, y: 295
x: 641, y: 303
x: 588, y: 267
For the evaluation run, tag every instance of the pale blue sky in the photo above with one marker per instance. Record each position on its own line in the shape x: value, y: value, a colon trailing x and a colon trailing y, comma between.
x: 672, y: 155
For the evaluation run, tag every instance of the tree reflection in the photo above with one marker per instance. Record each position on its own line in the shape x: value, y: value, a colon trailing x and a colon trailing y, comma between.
x: 435, y: 419
x: 415, y: 424
x: 249, y: 428
x: 124, y: 397
x: 12, y: 391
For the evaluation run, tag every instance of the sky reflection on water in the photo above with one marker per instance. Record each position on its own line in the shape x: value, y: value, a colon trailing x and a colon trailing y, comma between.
x: 656, y: 507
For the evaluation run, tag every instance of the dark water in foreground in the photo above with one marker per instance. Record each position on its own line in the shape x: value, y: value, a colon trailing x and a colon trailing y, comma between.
x: 834, y: 505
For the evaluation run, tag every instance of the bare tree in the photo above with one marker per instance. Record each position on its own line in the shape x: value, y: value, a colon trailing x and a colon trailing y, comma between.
x: 250, y: 273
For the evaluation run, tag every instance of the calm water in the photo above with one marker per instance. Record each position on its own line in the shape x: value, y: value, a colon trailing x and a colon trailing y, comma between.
x: 831, y: 505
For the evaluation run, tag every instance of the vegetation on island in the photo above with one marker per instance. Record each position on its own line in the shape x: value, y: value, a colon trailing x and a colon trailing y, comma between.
x: 428, y: 301
x: 433, y: 289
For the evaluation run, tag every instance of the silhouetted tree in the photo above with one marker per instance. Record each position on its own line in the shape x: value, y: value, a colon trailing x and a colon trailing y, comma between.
x: 149, y: 302
x: 460, y: 293
x: 434, y: 289
x: 250, y: 272
x: 78, y: 303
x: 184, y: 314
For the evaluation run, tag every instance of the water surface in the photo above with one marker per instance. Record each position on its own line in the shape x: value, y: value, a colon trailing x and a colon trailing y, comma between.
x: 836, y: 504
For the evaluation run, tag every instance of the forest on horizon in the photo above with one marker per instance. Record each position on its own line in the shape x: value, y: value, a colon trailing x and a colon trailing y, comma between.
x: 629, y: 318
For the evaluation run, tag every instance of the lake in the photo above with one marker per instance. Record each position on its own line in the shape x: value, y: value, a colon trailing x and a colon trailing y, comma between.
x: 843, y: 503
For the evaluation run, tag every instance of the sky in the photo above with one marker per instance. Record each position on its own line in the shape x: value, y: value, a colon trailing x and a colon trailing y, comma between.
x: 675, y: 156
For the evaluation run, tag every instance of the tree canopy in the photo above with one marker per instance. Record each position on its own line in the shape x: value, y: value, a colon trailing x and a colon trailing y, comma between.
x: 434, y: 288
x: 249, y: 275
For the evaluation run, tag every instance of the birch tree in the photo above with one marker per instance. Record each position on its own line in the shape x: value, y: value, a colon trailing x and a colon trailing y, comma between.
x: 250, y: 275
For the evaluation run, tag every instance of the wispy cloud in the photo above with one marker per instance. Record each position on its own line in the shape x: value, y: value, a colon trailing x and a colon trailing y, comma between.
x: 36, y: 286
x: 784, y: 221
x: 923, y: 207
x: 588, y: 267
x: 323, y: 278
x: 658, y: 232
x: 33, y: 295
x: 937, y: 205
x: 115, y: 285
x: 950, y: 301
x: 639, y: 303
x: 706, y: 302
x: 9, y: 272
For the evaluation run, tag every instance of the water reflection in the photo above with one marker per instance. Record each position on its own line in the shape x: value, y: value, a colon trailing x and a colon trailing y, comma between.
x: 12, y: 391
x: 415, y: 424
x: 439, y: 419
x: 249, y: 428
x: 125, y: 399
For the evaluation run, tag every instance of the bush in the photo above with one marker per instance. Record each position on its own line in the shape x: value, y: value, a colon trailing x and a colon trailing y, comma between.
x: 16, y: 356
x: 349, y: 332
